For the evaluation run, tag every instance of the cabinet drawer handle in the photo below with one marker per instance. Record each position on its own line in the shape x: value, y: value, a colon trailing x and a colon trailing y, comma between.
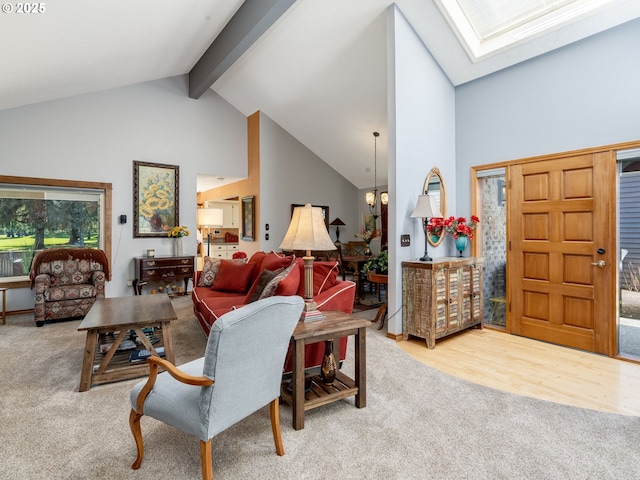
x: 150, y: 264
x: 184, y: 261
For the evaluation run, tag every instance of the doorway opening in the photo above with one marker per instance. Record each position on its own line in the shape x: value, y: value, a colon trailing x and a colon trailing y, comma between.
x: 493, y: 218
x: 629, y: 248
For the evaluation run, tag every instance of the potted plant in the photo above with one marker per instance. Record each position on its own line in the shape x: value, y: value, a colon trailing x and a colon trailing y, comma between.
x: 377, y: 264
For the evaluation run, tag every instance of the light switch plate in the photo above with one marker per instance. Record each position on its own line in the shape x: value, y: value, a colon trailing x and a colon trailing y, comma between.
x: 405, y: 240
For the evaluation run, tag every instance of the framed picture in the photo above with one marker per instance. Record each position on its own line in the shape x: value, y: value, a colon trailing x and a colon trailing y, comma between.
x: 325, y: 212
x: 248, y: 218
x: 155, y: 199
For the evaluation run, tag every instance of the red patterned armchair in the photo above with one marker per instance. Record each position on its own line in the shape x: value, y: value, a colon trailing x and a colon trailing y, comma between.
x: 67, y: 281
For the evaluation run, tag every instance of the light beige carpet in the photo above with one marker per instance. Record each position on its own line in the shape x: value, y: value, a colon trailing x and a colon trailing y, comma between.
x: 418, y: 424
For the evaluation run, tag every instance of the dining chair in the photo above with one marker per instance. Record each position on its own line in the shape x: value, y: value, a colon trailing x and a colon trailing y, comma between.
x: 240, y: 373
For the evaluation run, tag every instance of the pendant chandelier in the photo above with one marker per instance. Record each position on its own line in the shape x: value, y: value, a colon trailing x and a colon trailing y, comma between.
x: 372, y: 197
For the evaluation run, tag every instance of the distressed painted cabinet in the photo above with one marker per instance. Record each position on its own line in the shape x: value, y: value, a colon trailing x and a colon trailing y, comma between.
x: 441, y: 297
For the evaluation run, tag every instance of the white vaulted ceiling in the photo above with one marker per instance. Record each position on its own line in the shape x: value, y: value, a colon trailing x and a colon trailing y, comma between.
x: 319, y: 71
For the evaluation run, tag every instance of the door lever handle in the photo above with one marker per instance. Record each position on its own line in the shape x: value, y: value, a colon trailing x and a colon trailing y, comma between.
x: 599, y: 264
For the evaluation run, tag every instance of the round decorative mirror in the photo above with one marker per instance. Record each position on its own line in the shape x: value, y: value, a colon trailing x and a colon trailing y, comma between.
x: 434, y: 187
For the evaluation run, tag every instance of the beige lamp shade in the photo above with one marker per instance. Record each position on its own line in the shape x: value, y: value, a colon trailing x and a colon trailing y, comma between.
x: 426, y: 208
x: 209, y: 217
x: 307, y: 231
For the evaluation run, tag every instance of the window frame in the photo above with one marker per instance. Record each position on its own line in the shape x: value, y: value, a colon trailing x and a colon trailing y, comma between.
x: 106, y: 188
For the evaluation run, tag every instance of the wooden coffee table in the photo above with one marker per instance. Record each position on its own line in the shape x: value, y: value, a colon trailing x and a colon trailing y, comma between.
x: 334, y: 326
x: 110, y: 321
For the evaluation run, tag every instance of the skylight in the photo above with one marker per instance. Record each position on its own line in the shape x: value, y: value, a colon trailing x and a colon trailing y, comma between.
x: 487, y: 26
x: 494, y: 17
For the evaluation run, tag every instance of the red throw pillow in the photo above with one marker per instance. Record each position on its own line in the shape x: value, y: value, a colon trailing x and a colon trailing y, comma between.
x: 274, y: 261
x: 289, y: 285
x: 325, y: 276
x: 257, y: 258
x: 233, y: 277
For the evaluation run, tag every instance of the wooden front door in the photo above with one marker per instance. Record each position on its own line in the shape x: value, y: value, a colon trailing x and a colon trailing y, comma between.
x: 561, y: 256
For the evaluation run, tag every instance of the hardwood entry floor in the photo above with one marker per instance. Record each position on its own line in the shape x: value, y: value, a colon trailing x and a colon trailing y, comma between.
x: 535, y: 369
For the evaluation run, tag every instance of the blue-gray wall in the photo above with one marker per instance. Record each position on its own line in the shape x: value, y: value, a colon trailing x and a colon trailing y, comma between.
x: 421, y: 106
x: 583, y: 95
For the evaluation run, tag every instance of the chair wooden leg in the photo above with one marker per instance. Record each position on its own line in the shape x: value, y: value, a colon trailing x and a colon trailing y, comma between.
x: 134, y: 423
x: 205, y: 460
x: 275, y: 426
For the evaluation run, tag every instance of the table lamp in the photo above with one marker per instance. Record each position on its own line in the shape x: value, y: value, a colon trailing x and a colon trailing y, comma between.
x: 337, y: 223
x: 307, y: 231
x: 426, y: 208
x: 209, y: 217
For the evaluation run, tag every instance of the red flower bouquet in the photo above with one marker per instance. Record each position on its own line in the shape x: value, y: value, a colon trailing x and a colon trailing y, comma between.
x: 435, y: 226
x: 458, y: 227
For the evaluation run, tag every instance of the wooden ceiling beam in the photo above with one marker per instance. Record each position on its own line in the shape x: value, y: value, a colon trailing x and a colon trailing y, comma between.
x: 251, y: 20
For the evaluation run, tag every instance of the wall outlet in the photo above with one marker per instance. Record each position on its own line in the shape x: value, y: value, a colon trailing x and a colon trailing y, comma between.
x: 129, y: 283
x: 405, y: 240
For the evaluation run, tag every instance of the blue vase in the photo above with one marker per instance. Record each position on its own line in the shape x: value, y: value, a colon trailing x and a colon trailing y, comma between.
x: 461, y: 244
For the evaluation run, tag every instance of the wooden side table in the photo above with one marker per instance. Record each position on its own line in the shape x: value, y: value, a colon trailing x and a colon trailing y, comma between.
x: 334, y: 326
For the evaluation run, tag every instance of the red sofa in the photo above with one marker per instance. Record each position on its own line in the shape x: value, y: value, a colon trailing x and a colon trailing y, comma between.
x: 226, y: 284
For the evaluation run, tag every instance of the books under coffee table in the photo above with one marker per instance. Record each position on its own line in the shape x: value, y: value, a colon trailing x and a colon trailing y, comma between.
x: 126, y: 325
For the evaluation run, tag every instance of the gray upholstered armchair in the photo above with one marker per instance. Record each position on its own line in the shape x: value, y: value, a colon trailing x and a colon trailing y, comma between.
x: 239, y: 374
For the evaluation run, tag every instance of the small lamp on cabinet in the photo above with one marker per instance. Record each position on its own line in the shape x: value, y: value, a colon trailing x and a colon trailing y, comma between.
x: 426, y: 208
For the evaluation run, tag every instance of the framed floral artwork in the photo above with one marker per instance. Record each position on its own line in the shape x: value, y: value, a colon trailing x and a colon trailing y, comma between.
x: 155, y: 199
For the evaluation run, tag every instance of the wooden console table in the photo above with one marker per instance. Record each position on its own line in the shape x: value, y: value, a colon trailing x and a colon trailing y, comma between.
x: 441, y: 297
x: 334, y: 326
x: 162, y: 269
